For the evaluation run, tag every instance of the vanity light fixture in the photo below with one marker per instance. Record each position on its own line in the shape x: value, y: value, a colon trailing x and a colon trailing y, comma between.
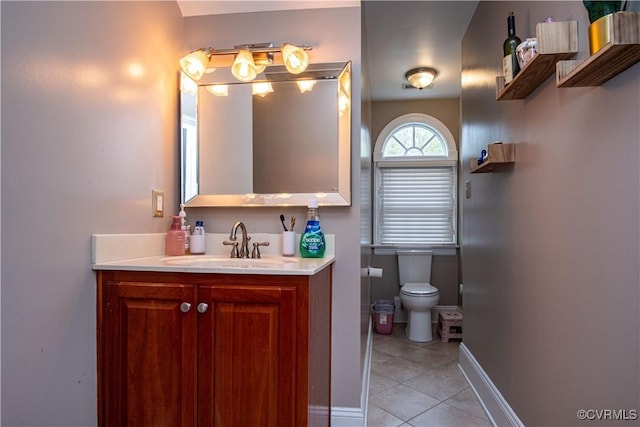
x: 295, y: 59
x: 243, y: 68
x: 421, y: 77
x: 195, y: 64
x: 250, y: 59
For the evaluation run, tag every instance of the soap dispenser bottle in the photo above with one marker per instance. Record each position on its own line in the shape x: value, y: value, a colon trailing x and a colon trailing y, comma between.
x: 198, y: 239
x: 312, y: 242
x: 174, y: 243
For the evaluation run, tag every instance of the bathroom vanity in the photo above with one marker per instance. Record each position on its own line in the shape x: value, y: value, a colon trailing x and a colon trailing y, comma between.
x: 200, y: 341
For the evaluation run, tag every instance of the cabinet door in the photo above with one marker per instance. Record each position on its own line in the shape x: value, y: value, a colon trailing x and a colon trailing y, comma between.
x: 246, y: 356
x: 149, y: 355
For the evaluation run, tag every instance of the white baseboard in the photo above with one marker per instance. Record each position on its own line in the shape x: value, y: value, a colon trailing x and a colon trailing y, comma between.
x: 347, y: 417
x: 498, y: 410
x: 366, y: 375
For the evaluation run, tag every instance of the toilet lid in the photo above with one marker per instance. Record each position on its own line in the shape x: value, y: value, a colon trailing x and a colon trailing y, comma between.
x: 419, y: 289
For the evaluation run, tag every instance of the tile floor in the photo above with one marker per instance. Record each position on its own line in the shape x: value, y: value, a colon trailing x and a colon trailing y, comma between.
x: 419, y: 384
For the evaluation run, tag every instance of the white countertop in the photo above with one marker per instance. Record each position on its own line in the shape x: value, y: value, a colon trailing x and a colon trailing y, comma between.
x: 144, y: 252
x: 218, y: 264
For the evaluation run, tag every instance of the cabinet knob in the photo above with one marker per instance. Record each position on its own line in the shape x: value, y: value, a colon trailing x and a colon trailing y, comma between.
x: 184, y: 307
x: 202, y: 307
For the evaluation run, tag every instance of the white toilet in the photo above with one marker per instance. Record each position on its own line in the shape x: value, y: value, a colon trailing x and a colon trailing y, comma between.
x: 416, y: 293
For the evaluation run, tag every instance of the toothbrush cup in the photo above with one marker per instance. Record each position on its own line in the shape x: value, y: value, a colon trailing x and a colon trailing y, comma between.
x: 288, y: 243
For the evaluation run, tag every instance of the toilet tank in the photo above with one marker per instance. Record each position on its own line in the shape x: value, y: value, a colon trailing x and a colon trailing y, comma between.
x: 414, y: 266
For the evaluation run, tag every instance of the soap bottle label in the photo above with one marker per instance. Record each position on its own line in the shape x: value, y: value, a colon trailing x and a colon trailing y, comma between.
x: 187, y: 239
x: 312, y: 243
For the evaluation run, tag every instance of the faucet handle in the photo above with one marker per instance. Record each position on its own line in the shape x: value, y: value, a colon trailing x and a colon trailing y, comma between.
x: 256, y: 249
x: 234, y: 249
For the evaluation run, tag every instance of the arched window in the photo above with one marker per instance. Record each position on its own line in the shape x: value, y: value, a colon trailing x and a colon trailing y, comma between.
x: 415, y: 160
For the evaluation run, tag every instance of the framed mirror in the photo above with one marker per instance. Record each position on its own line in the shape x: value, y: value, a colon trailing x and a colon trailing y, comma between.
x: 282, y: 147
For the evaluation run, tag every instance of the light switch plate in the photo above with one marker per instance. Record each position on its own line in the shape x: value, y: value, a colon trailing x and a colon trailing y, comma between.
x: 157, y: 203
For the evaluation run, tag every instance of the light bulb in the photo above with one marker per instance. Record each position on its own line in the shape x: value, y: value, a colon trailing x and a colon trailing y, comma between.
x: 243, y: 67
x: 295, y: 59
x: 421, y: 79
x: 195, y: 64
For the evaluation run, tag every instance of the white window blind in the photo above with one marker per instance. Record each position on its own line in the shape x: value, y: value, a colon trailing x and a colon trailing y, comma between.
x: 417, y: 205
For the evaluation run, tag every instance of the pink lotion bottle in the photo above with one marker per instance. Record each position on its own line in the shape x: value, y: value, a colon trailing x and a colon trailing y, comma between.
x: 174, y: 244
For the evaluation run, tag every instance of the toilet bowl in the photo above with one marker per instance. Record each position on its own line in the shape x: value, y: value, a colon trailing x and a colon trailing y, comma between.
x: 417, y: 295
x: 419, y: 299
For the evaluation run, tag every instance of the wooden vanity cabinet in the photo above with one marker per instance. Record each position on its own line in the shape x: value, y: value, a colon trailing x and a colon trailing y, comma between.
x: 187, y: 349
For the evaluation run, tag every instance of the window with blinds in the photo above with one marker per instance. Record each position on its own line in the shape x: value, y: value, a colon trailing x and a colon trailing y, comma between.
x: 415, y: 183
x: 417, y: 205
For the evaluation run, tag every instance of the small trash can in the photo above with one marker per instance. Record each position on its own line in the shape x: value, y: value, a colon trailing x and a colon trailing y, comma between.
x: 383, y: 310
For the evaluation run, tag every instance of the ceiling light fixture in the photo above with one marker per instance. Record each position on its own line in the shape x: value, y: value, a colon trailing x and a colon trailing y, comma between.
x: 250, y: 59
x: 421, y: 77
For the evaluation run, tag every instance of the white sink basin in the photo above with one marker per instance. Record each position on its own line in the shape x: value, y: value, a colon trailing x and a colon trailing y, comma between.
x: 226, y: 262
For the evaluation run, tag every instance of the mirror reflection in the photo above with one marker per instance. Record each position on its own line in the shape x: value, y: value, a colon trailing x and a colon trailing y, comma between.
x: 279, y: 140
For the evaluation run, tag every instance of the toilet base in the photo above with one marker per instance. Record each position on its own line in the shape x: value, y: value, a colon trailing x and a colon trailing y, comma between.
x: 419, y: 327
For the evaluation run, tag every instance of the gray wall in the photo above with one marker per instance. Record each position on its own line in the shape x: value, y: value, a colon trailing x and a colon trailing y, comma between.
x: 551, y: 246
x: 444, y: 268
x: 447, y: 110
x: 340, y: 43
x: 84, y: 141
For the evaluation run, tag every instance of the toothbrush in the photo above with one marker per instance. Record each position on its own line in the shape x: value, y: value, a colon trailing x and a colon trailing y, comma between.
x: 282, y: 221
x: 293, y: 222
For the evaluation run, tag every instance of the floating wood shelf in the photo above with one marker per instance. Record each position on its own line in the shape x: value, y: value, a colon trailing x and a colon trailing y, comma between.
x: 499, y: 155
x: 621, y: 52
x: 556, y: 41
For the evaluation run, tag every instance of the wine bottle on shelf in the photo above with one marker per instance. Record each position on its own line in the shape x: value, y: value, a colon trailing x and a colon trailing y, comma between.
x: 510, y: 66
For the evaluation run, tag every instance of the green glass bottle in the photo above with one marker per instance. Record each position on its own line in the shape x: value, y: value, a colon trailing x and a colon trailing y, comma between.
x: 312, y: 242
x: 510, y: 66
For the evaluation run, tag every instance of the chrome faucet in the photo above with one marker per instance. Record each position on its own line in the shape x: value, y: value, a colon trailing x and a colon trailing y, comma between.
x: 243, y: 252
